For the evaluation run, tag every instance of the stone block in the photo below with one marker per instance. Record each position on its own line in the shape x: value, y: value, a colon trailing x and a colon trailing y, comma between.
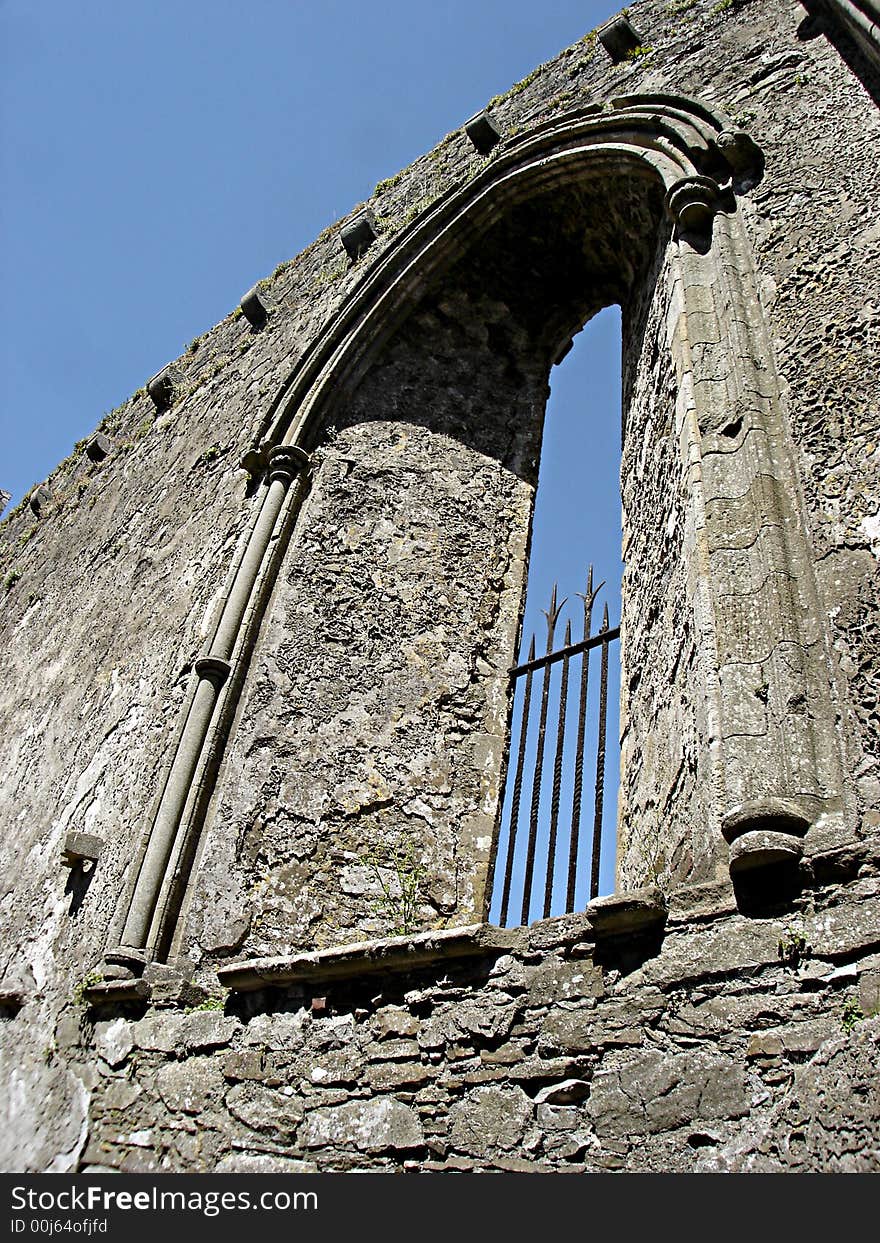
x: 358, y: 235
x: 637, y: 910
x: 869, y: 992
x: 761, y: 850
x: 505, y: 1055
x: 394, y: 1022
x: 557, y: 980
x: 283, y: 1031
x: 204, y: 1029
x: 39, y: 499
x: 844, y: 929
x: 81, y: 848
x: 120, y: 1094
x: 489, y: 1118
x: 381, y: 1124
x: 559, y: 1117
x: 336, y: 1066
x: 764, y: 1045
x: 98, y: 447
x: 190, y: 1086
x: 242, y: 1064
x: 253, y: 308
x: 161, y: 388
x: 619, y: 38
x: 652, y: 1092
x: 114, y: 1041
x: 264, y: 1109
x: 394, y: 1076
x: 393, y: 1050
x: 568, y: 1092
x: 483, y: 132
x: 485, y: 1021
x: 159, y: 1032
x: 262, y: 1163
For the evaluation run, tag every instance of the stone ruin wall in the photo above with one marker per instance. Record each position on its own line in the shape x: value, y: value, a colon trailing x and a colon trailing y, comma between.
x: 735, y: 1048
x: 534, y: 1049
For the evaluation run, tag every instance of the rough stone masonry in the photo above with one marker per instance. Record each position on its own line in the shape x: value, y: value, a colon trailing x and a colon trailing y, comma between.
x: 256, y: 634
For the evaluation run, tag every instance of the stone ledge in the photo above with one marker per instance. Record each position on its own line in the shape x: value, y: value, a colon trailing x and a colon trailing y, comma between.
x: 704, y: 901
x: 117, y: 990
x: 391, y: 954
x: 634, y: 910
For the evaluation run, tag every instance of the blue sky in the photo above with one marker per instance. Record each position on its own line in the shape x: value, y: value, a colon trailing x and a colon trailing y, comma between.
x: 160, y: 158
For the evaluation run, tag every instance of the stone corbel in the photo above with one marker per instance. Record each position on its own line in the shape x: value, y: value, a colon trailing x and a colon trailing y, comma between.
x: 483, y: 132
x: 253, y: 307
x: 98, y: 447
x: 692, y: 203
x: 161, y: 387
x: 765, y: 832
x: 256, y: 459
x: 39, y: 499
x: 619, y: 38
x: 359, y: 234
x: 742, y: 155
x: 81, y: 849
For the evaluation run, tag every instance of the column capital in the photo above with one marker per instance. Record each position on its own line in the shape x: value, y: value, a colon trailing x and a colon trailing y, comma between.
x: 692, y: 202
x: 287, y: 461
x: 213, y: 667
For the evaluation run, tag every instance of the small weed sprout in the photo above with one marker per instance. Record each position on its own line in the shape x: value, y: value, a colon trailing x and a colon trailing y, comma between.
x: 401, y: 895
x: 793, y: 947
x: 211, y: 454
x: 388, y: 184
x: 851, y: 1014
x: 215, y: 1003
x: 11, y: 579
x: 332, y: 272
x: 87, y: 982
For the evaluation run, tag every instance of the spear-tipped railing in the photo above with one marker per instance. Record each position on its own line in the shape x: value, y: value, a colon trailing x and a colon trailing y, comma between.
x: 523, y: 843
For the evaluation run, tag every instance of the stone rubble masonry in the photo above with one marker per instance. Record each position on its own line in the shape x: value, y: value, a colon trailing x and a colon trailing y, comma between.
x: 358, y: 721
x: 741, y: 1045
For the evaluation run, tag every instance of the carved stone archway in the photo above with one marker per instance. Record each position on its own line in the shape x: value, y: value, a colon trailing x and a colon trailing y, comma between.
x: 730, y: 749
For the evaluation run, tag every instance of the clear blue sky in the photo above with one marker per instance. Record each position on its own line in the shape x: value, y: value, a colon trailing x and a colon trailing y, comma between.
x: 159, y: 158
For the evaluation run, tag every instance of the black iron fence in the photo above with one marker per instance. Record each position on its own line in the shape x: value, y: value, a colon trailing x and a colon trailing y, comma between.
x: 537, y: 830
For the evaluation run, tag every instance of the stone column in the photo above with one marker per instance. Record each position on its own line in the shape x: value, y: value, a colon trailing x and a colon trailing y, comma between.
x: 212, y: 670
x: 778, y: 759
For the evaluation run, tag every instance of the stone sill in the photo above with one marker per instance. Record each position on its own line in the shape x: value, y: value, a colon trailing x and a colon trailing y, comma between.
x: 118, y: 991
x: 619, y: 915
x: 391, y: 954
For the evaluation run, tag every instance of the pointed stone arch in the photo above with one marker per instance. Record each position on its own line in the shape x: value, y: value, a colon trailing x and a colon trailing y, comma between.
x: 731, y: 753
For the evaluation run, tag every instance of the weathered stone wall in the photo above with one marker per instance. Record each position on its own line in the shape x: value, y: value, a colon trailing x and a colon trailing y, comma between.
x: 373, y: 715
x: 368, y: 743
x: 661, y: 694
x: 735, y: 1045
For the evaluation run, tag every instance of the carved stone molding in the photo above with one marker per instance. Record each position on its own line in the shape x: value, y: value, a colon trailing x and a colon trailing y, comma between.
x: 692, y: 202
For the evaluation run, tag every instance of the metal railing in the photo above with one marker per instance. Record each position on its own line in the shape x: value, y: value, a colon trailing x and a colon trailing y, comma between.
x: 539, y: 824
